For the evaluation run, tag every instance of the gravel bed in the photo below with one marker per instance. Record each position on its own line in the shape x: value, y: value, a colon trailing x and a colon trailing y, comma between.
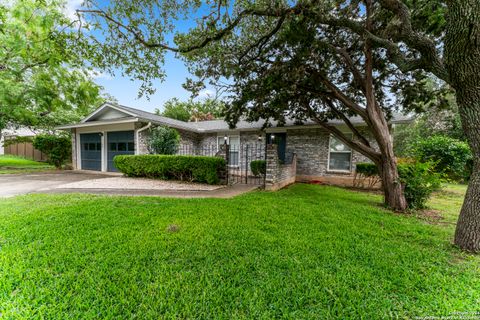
x: 125, y: 183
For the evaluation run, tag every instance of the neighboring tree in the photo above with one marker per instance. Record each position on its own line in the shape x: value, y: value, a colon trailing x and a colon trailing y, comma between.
x: 58, y: 148
x: 207, y: 109
x: 375, y: 42
x: 163, y: 140
x: 42, y: 80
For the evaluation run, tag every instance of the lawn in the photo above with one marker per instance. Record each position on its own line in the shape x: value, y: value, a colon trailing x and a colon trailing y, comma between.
x: 306, y: 252
x: 13, y: 164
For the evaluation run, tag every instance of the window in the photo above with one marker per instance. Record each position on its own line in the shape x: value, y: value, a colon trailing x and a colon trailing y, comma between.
x: 340, y: 155
x: 113, y: 146
x: 131, y: 146
x: 122, y: 146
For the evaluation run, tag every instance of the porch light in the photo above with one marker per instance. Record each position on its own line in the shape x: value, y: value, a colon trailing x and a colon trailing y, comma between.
x: 225, y: 139
x: 259, y: 137
x: 272, y: 137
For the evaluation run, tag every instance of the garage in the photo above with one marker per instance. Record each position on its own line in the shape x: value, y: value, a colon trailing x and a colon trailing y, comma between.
x: 91, y: 151
x: 119, y: 143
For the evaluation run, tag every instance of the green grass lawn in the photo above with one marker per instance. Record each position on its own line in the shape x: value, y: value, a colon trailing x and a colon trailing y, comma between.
x: 14, y: 164
x: 306, y: 252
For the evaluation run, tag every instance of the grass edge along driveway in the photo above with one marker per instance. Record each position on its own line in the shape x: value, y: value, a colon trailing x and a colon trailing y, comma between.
x: 13, y: 164
x: 306, y: 252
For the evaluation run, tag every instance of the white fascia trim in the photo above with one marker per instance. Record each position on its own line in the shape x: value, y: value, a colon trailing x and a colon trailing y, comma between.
x: 102, y: 107
x: 96, y: 123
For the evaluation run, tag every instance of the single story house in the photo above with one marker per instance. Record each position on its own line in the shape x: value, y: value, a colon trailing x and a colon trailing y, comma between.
x: 114, y: 129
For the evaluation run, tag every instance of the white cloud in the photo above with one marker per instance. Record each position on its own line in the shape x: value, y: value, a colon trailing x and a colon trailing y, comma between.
x: 70, y: 8
x: 206, y: 93
x: 96, y: 74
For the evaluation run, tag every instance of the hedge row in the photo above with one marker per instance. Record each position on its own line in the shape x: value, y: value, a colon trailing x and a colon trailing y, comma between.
x: 419, y: 179
x: 172, y: 167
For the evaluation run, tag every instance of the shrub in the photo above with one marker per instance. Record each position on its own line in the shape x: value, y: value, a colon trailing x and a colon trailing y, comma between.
x: 258, y: 167
x: 163, y: 140
x: 419, y: 179
x: 367, y: 169
x: 450, y: 156
x: 58, y: 148
x: 184, y: 168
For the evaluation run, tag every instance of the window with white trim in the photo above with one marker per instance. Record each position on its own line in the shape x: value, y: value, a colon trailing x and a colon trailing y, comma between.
x: 340, y: 155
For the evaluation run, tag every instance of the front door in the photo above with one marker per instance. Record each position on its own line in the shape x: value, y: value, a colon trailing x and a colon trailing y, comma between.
x: 280, y: 139
x: 91, y: 151
x: 119, y: 143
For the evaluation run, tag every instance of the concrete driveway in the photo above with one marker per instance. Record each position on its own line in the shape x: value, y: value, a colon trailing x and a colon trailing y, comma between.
x: 16, y: 184
x: 111, y: 184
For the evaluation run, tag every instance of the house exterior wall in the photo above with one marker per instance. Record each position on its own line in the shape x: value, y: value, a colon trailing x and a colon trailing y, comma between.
x: 311, y: 147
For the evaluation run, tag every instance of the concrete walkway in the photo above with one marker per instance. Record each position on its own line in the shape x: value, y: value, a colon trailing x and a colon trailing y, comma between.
x: 107, y: 184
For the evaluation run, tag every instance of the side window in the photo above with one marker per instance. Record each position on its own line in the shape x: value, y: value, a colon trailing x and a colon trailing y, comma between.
x: 340, y: 155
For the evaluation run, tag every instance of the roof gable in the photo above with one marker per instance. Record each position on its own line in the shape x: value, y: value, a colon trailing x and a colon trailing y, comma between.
x: 108, y: 112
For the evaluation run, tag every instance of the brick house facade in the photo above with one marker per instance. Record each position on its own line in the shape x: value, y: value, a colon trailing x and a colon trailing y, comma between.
x: 303, y: 152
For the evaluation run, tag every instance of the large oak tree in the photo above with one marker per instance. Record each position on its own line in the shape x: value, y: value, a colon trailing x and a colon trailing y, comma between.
x: 358, y: 48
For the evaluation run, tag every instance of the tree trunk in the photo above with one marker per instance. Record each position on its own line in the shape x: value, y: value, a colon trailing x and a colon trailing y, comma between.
x: 394, y: 196
x: 462, y: 59
x: 392, y: 188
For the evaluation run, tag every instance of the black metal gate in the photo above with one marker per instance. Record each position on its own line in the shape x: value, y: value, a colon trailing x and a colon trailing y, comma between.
x: 240, y: 168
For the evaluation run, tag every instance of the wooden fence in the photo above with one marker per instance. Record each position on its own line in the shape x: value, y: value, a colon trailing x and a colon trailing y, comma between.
x: 23, y: 149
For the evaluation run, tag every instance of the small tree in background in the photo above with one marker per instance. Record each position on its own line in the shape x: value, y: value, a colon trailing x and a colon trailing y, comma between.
x: 163, y: 140
x: 207, y: 109
x: 58, y: 148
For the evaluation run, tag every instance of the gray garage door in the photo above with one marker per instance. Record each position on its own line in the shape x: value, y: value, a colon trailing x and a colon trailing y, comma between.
x: 91, y: 151
x: 120, y: 142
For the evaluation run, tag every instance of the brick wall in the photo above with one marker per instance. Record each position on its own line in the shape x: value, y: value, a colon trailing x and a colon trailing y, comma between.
x: 278, y: 175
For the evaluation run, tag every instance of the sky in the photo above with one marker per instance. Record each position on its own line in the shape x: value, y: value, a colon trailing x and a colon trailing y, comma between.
x: 126, y: 91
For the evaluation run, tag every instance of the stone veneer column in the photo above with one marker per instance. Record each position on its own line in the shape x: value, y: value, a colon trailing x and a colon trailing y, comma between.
x: 272, y: 166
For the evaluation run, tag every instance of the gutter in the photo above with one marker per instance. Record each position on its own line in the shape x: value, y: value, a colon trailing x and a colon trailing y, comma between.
x: 137, y: 138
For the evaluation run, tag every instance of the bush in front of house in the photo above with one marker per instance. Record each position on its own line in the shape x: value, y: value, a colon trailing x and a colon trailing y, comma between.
x: 58, y: 148
x: 258, y: 167
x: 419, y: 179
x: 451, y: 157
x: 172, y: 167
x: 163, y: 140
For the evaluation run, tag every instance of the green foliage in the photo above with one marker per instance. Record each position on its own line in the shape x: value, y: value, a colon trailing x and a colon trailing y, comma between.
x: 163, y: 140
x: 15, y: 140
x: 184, y: 168
x: 367, y: 169
x: 190, y: 110
x: 43, y: 81
x: 450, y: 156
x: 58, y: 148
x: 306, y: 252
x: 258, y: 167
x: 420, y: 180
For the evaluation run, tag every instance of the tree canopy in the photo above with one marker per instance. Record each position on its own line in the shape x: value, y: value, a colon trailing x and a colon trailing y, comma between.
x: 43, y: 82
x: 191, y: 110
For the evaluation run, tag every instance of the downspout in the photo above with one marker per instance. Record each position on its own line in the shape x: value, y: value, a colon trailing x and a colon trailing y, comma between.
x: 137, y: 149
